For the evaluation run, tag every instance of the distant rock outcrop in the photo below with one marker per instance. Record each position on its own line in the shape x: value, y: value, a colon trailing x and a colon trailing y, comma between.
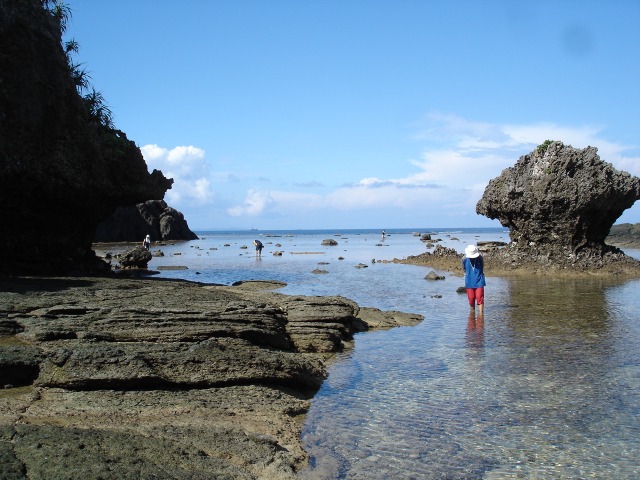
x: 559, y: 204
x: 154, y: 218
x: 63, y: 168
x: 625, y: 235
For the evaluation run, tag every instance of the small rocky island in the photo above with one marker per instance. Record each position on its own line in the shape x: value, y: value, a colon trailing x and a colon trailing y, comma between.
x: 559, y: 204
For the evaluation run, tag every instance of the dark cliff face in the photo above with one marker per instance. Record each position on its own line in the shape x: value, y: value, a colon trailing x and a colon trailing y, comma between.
x: 61, y: 171
x: 559, y: 198
x: 154, y: 218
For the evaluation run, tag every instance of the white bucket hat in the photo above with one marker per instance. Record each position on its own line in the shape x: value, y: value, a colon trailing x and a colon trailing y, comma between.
x: 471, y: 251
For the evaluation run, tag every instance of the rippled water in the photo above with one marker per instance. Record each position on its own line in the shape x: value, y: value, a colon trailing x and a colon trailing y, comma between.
x: 547, y: 386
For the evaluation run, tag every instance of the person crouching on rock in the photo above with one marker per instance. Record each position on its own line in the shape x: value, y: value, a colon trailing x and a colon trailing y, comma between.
x: 474, y: 280
x: 259, y: 247
x: 146, y: 243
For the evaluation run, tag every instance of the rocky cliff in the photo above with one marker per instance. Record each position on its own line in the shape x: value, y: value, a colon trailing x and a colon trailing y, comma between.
x: 154, y: 218
x: 559, y: 204
x: 63, y: 169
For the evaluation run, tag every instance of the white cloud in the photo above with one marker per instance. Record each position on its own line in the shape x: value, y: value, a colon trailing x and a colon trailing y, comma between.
x: 254, y: 204
x: 188, y: 167
x: 459, y: 149
x: 458, y: 159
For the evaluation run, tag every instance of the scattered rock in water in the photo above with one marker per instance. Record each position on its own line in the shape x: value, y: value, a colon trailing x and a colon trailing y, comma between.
x: 362, y: 265
x: 319, y: 271
x: 433, y: 276
x: 461, y: 290
x: 329, y: 242
x: 137, y: 257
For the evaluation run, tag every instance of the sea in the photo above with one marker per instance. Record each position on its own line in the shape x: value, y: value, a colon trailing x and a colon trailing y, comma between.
x: 546, y: 386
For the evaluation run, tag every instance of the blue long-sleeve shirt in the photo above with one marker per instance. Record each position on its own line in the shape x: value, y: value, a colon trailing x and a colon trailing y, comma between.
x: 473, y: 272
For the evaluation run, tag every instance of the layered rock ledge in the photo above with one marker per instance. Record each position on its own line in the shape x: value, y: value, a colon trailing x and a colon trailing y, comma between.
x: 149, y: 378
x: 504, y: 262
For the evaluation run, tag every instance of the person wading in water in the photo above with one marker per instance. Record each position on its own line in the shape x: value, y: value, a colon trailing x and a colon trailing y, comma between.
x: 474, y: 280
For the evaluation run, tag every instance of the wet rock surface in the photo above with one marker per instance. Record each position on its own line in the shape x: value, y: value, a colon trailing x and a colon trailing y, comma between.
x: 137, y: 257
x: 148, y: 378
x: 506, y: 262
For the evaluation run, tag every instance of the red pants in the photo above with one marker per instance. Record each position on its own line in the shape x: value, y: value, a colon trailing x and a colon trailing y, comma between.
x: 475, y: 295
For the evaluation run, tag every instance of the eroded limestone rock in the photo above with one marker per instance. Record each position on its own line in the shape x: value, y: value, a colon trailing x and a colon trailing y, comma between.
x: 559, y: 201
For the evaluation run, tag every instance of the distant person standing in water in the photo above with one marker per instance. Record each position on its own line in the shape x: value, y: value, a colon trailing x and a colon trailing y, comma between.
x: 259, y: 247
x: 146, y: 243
x: 474, y: 280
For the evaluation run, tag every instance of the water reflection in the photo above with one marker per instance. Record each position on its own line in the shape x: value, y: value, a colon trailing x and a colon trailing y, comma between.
x: 545, y: 385
x: 475, y: 331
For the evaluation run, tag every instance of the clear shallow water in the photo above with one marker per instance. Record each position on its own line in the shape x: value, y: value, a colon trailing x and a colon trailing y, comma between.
x: 547, y: 387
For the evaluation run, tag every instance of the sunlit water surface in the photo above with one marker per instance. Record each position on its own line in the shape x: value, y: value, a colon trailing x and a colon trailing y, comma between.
x: 547, y: 386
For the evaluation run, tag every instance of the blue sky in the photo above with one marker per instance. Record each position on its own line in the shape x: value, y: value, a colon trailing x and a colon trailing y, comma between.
x: 279, y: 114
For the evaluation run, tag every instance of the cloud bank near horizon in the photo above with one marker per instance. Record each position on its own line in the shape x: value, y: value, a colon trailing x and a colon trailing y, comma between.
x: 457, y: 158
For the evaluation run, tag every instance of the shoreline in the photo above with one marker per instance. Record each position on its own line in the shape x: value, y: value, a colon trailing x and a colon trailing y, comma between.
x: 197, y: 379
x: 132, y: 377
x: 503, y: 263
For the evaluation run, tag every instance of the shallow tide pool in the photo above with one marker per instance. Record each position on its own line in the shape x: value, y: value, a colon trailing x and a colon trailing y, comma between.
x: 546, y: 386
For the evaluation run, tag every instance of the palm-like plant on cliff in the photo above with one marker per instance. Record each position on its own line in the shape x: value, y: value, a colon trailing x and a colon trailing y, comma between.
x: 98, y: 109
x: 93, y: 100
x: 60, y: 11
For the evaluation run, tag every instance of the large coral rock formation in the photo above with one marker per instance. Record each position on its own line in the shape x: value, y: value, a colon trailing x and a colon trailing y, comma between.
x: 62, y: 171
x: 154, y: 218
x: 559, y: 202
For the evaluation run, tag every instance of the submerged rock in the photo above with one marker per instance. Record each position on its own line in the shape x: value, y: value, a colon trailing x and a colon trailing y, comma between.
x: 433, y: 276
